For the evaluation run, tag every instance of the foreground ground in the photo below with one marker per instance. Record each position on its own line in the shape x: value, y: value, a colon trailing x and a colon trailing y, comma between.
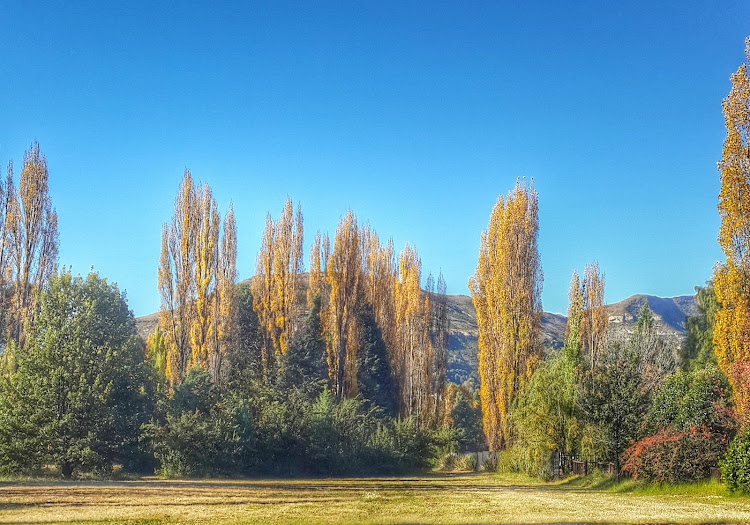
x: 432, y: 499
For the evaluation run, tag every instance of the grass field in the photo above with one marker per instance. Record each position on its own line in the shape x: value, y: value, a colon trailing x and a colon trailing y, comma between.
x: 430, y: 499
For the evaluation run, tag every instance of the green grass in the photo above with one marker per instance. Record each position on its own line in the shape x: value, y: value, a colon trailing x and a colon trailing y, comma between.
x: 598, y: 481
x: 427, y: 499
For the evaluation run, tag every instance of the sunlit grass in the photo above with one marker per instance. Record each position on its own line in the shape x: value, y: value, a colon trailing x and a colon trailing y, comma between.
x: 444, y: 499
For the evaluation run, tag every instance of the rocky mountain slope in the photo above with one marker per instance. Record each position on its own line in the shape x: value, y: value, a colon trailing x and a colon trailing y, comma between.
x: 669, y: 314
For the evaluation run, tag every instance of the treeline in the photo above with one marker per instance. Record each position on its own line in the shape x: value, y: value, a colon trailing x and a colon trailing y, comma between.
x: 656, y: 413
x: 338, y: 370
x: 375, y: 316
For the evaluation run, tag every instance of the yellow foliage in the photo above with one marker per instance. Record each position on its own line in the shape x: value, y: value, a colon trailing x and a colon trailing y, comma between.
x: 732, y: 279
x: 194, y: 280
x: 506, y: 290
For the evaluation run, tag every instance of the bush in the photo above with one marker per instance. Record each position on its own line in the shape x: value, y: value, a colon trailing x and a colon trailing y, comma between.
x: 735, y: 467
x: 448, y: 462
x: 467, y: 462
x: 192, y: 445
x: 490, y: 464
x: 525, y: 460
x: 674, y: 456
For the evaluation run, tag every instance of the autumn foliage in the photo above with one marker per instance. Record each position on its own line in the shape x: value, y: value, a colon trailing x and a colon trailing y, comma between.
x: 732, y: 278
x: 506, y: 290
x: 197, y: 271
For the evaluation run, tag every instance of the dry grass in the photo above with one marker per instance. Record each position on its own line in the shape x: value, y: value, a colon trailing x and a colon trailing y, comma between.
x: 432, y: 499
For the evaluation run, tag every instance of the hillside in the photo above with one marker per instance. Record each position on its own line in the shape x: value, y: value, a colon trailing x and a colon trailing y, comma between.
x: 669, y: 314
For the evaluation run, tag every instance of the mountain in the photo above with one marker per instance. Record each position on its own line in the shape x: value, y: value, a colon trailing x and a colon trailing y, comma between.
x: 669, y: 317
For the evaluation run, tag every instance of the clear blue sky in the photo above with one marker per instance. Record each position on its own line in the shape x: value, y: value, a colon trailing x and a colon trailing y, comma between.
x: 415, y: 115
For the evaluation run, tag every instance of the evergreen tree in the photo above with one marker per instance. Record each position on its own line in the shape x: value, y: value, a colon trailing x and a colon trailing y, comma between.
x: 374, y: 376
x: 698, y: 349
x: 79, y: 396
x: 303, y: 366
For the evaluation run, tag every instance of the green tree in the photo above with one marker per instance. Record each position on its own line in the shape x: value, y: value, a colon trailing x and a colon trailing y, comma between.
x: 244, y: 352
x: 546, y: 411
x: 698, y: 349
x: 303, y: 366
x: 79, y: 395
x: 615, y: 401
x: 374, y: 376
x: 656, y: 360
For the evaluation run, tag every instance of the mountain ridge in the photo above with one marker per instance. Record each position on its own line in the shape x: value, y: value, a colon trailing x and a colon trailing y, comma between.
x: 669, y: 315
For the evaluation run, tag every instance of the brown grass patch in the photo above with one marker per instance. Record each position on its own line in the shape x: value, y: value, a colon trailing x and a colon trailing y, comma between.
x: 431, y: 499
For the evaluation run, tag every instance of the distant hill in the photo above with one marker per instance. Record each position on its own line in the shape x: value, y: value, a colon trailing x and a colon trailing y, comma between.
x: 669, y: 315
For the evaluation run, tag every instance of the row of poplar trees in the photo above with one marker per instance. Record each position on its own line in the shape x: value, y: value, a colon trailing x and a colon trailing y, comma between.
x: 355, y: 281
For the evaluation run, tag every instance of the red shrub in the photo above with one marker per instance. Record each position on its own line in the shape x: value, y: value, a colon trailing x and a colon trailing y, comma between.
x: 675, y: 456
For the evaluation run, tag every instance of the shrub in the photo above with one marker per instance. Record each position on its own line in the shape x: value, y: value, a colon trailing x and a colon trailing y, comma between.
x: 467, y: 462
x: 490, y: 463
x: 192, y: 445
x: 448, y: 462
x: 674, y: 456
x: 735, y: 467
x: 443, y: 441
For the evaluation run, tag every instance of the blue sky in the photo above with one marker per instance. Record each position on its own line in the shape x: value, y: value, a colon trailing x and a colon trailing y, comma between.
x: 415, y: 115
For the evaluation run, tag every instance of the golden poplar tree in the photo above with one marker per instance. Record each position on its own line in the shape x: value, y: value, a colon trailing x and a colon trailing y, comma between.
x: 343, y: 274
x: 439, y: 330
x: 205, y: 276
x: 192, y: 270
x: 176, y: 280
x: 506, y: 290
x: 414, y: 359
x: 226, y: 307
x: 315, y: 275
x: 732, y: 278
x: 31, y: 239
x: 277, y: 295
x: 263, y: 291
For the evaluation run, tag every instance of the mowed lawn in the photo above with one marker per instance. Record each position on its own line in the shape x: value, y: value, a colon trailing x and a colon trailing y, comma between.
x: 431, y: 499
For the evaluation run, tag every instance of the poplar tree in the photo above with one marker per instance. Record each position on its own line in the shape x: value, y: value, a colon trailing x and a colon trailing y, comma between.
x: 575, y: 318
x: 343, y: 273
x: 194, y: 278
x: 262, y: 295
x: 276, y: 288
x: 506, y: 290
x: 595, y: 320
x: 30, y: 238
x: 732, y: 278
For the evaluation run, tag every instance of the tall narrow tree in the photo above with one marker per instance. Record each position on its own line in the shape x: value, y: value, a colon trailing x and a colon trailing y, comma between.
x: 506, y: 290
x: 732, y: 278
x: 31, y: 237
x: 343, y: 273
x: 595, y: 319
x: 192, y: 271
x: 276, y: 292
